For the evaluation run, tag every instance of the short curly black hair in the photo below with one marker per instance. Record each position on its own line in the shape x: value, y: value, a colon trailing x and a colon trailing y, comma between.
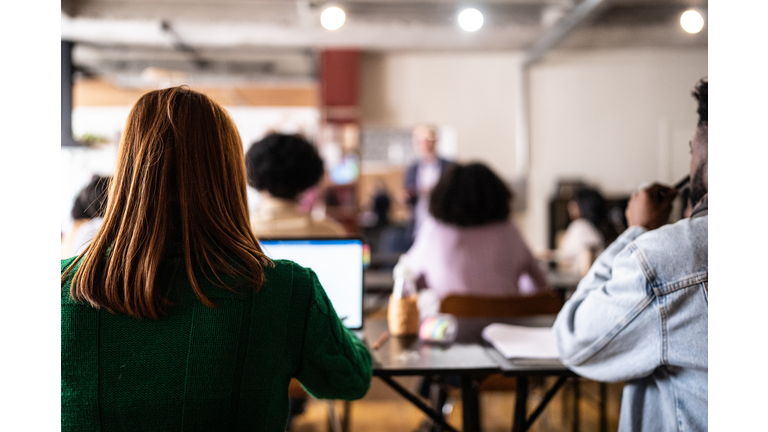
x: 283, y: 165
x: 91, y: 202
x: 470, y: 195
x: 700, y: 93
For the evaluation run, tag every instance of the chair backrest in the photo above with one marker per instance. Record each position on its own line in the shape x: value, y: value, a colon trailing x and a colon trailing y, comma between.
x: 498, y: 307
x: 517, y: 306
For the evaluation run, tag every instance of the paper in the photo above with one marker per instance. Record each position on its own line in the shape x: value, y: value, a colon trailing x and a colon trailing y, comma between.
x: 518, y: 342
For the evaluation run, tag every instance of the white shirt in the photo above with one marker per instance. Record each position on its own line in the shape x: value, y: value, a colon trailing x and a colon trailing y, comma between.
x: 82, y: 238
x: 427, y: 176
x: 580, y: 236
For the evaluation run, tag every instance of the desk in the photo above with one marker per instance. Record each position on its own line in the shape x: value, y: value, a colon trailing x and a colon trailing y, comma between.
x: 470, y: 359
x: 563, y: 283
x: 523, y: 369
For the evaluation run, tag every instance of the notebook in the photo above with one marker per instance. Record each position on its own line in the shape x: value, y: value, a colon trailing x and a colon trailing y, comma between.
x: 518, y: 342
x: 338, y: 264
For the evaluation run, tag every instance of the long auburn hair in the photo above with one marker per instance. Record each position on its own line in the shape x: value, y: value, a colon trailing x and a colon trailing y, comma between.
x: 180, y: 177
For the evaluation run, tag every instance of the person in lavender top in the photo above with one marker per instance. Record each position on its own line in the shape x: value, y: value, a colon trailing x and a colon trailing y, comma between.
x: 469, y: 245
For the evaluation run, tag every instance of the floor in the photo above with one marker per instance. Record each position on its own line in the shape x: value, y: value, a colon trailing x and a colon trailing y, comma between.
x: 383, y: 410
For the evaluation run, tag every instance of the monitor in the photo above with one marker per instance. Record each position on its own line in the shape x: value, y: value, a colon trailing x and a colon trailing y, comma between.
x: 338, y: 264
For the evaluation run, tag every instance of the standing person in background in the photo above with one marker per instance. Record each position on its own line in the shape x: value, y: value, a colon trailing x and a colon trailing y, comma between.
x: 281, y: 167
x: 468, y: 245
x: 641, y: 313
x: 588, y: 232
x: 173, y: 318
x: 87, y: 213
x: 423, y: 174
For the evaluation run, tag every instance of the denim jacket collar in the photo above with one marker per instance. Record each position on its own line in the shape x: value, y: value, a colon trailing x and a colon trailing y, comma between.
x: 702, y: 208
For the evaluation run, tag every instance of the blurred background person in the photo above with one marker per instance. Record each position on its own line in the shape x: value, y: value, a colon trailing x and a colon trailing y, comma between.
x: 375, y: 219
x: 381, y: 204
x: 173, y: 318
x: 587, y: 234
x: 281, y: 167
x: 87, y: 213
x: 423, y: 175
x: 376, y: 215
x: 468, y: 245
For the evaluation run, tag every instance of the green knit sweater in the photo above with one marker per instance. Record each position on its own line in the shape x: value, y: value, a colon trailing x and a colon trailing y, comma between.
x: 207, y: 369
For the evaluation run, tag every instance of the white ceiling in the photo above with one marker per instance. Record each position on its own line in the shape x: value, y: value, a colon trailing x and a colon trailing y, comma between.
x: 278, y: 39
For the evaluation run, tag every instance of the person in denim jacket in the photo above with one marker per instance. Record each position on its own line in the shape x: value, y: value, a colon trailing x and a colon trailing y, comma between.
x: 640, y: 314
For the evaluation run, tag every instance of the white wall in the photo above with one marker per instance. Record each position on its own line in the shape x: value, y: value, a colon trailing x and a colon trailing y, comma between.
x: 471, y: 94
x: 616, y: 118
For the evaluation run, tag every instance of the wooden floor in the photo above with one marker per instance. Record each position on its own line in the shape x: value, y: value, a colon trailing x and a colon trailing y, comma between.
x: 383, y: 410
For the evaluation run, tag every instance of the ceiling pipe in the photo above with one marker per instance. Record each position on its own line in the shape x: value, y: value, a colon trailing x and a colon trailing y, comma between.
x: 181, y: 46
x: 579, y: 16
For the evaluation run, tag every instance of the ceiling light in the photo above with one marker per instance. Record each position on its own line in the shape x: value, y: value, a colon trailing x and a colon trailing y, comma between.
x: 691, y: 21
x: 332, y: 18
x: 470, y: 19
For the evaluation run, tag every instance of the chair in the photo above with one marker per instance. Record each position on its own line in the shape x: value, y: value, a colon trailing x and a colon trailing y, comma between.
x: 489, y: 307
x: 463, y: 306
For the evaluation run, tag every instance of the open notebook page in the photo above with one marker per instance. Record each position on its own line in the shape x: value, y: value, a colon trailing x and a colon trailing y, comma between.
x: 518, y: 342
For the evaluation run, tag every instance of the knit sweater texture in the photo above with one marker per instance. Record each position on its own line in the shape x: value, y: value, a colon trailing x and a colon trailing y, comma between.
x: 207, y: 369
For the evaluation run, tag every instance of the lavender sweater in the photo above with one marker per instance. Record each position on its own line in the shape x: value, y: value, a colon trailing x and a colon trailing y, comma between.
x: 485, y: 261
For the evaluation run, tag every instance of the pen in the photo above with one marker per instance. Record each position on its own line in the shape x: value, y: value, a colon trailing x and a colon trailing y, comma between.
x: 383, y: 338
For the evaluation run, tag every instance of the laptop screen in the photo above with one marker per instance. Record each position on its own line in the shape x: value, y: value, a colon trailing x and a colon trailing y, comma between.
x: 338, y: 264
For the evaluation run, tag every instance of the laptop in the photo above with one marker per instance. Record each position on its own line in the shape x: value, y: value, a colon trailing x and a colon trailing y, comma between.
x: 338, y: 264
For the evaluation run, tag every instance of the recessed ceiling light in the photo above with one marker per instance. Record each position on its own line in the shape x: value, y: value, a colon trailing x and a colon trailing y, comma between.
x: 691, y: 21
x: 332, y: 18
x: 470, y: 19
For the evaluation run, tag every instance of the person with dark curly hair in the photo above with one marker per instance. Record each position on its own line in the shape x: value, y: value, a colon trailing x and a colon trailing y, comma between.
x: 640, y: 314
x: 87, y: 213
x: 469, y: 245
x: 281, y: 167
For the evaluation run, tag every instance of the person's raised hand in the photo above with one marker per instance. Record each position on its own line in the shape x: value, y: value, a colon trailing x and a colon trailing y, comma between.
x: 650, y: 207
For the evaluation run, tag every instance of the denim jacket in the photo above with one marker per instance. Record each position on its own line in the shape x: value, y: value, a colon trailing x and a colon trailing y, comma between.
x: 640, y: 316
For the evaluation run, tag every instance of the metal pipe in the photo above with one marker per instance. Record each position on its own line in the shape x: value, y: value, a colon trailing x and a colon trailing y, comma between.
x: 522, y: 148
x: 579, y: 16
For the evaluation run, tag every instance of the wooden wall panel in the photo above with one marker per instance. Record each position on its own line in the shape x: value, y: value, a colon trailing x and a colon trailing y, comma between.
x: 96, y: 92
